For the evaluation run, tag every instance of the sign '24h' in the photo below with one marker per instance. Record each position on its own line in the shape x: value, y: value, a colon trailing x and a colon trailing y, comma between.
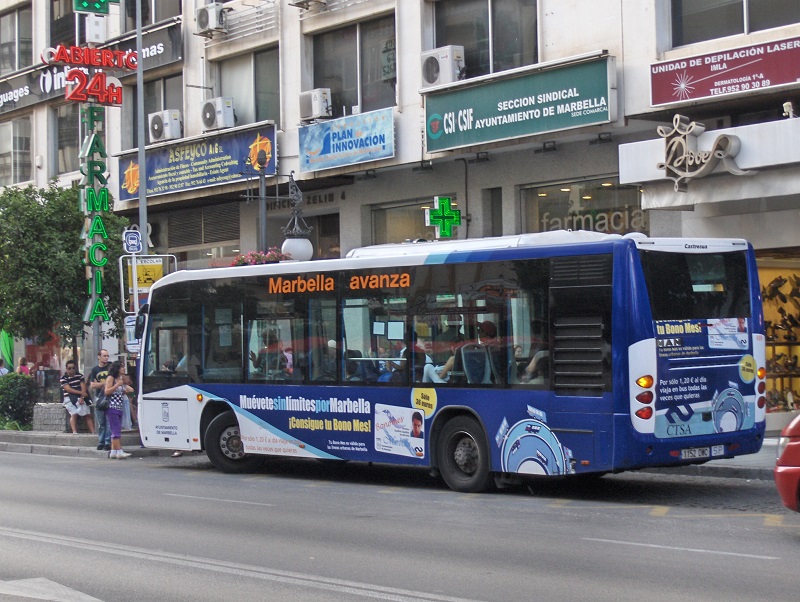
x: 93, y: 91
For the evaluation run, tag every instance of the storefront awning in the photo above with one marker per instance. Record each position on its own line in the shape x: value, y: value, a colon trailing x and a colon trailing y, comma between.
x: 746, y: 163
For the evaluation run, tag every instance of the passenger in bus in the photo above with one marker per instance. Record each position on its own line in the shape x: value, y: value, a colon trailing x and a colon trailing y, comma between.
x: 189, y: 364
x: 270, y: 358
x: 411, y: 355
x: 289, y: 359
x: 358, y: 368
x: 441, y: 374
x: 487, y: 333
x: 536, y: 371
x: 442, y: 344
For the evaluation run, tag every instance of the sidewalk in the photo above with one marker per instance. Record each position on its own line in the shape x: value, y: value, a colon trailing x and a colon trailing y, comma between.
x: 757, y: 467
x: 754, y: 466
x: 66, y: 444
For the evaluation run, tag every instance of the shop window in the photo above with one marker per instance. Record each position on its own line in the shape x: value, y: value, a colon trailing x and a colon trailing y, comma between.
x: 405, y: 221
x: 68, y: 147
x: 601, y: 205
x: 15, y: 151
x: 159, y: 95
x: 496, y: 34
x: 16, y: 40
x: 777, y: 272
x: 253, y: 81
x: 698, y: 20
x: 364, y: 84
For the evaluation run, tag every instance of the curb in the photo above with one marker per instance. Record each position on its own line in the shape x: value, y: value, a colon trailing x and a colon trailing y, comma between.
x: 71, y: 446
x: 724, y: 472
x: 76, y: 452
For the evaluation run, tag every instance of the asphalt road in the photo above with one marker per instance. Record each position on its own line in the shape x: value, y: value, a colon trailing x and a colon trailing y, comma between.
x: 177, y: 529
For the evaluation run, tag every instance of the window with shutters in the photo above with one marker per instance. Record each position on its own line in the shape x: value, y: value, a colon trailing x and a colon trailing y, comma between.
x: 203, y: 237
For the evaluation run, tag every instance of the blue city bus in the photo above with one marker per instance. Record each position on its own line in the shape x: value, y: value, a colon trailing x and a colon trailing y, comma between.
x: 487, y: 361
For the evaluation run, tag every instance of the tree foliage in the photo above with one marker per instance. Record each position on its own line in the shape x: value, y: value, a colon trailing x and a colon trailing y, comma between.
x: 43, y: 285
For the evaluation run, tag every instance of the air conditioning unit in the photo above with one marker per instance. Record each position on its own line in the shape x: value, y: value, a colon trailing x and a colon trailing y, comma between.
x: 165, y: 125
x: 217, y: 113
x: 210, y: 18
x: 316, y: 104
x: 443, y: 65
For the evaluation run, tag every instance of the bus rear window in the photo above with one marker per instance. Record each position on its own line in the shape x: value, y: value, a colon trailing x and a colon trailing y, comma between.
x: 696, y: 286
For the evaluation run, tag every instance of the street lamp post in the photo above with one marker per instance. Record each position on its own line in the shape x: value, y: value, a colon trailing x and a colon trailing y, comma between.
x: 261, y: 161
x: 296, y: 231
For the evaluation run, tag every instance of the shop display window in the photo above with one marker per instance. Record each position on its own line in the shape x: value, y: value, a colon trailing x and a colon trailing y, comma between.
x: 780, y: 291
x: 404, y: 221
x: 602, y: 205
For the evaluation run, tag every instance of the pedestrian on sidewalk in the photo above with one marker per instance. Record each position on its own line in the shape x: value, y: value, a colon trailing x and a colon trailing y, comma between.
x: 96, y: 383
x: 115, y: 390
x: 3, y: 369
x: 75, y: 397
x: 23, y: 367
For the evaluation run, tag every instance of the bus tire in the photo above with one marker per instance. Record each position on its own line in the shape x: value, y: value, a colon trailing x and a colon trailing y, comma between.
x: 224, y: 447
x: 463, y: 456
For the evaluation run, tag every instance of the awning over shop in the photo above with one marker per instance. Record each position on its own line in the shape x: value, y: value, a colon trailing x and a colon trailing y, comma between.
x: 687, y: 166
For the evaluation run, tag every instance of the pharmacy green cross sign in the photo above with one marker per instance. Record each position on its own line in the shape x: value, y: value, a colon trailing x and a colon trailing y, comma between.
x: 442, y: 217
x: 99, y: 7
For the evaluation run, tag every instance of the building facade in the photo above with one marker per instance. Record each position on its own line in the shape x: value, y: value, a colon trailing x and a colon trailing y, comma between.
x: 529, y: 115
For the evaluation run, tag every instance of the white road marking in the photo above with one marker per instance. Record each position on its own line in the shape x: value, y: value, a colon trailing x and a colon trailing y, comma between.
x: 302, y: 580
x: 678, y: 549
x: 214, y: 499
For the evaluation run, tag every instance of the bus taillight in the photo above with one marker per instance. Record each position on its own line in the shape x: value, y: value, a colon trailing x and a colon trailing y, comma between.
x: 762, y: 386
x: 761, y: 373
x: 762, y: 401
x: 645, y: 413
x: 645, y: 397
x: 645, y: 382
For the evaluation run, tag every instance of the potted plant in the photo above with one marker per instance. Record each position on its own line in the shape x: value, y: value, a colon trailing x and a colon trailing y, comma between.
x: 273, y: 255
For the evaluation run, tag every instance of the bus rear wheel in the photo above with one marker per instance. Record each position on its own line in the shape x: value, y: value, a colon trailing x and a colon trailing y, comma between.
x: 463, y: 456
x: 223, y: 442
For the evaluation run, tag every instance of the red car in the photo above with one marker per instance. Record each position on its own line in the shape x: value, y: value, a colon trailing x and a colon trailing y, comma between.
x: 787, y: 468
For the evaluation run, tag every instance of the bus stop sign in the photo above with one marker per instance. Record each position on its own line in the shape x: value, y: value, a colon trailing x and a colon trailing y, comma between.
x: 132, y: 241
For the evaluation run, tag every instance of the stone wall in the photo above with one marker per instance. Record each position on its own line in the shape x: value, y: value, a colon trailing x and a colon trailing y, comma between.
x: 53, y: 417
x: 50, y: 417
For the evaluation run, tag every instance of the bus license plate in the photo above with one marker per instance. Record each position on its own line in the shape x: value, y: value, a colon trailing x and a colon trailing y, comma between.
x: 694, y: 453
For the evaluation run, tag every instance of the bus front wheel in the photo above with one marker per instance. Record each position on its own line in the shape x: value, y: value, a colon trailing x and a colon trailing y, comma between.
x: 463, y: 456
x: 223, y: 442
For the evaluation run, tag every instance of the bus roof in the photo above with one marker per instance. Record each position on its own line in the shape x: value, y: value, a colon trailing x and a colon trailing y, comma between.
x: 418, y: 252
x: 541, y: 239
x: 426, y: 247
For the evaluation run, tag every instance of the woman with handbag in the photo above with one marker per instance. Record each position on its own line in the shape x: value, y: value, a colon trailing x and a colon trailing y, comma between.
x: 115, y: 390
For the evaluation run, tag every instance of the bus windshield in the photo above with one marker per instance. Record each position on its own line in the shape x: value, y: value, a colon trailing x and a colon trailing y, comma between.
x: 695, y: 286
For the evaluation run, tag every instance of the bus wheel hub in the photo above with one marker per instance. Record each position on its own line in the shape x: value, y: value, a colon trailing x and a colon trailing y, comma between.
x: 230, y: 442
x: 466, y: 455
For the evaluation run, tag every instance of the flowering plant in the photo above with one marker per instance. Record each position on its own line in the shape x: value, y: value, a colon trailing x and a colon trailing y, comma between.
x: 273, y: 255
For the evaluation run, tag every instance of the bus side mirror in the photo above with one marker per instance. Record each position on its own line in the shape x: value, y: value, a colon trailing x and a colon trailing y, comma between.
x: 141, y: 317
